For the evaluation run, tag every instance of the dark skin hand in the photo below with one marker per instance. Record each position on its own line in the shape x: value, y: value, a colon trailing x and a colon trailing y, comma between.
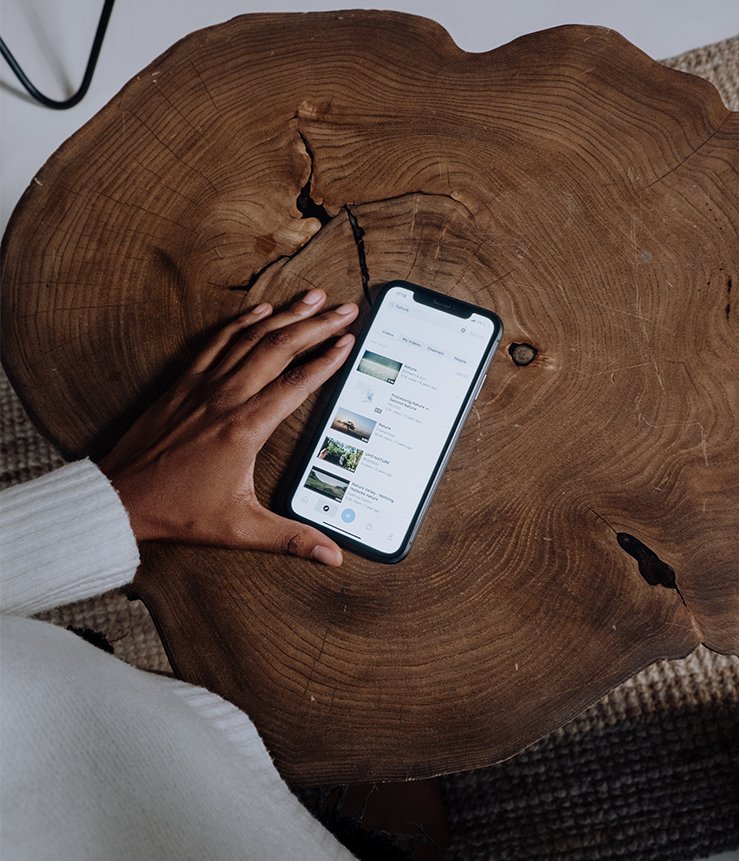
x: 185, y: 469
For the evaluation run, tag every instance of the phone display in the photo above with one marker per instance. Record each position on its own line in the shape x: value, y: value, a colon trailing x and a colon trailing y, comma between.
x: 403, y: 396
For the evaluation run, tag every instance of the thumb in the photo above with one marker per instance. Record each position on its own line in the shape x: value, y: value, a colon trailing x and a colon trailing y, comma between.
x: 277, y: 534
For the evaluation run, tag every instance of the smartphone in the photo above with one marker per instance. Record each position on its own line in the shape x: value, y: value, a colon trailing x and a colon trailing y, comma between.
x: 401, y: 401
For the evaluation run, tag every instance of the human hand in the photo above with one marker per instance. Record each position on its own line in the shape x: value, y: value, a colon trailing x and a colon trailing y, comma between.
x: 185, y: 469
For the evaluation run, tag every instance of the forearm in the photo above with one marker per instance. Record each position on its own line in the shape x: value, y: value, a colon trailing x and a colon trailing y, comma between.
x: 63, y: 537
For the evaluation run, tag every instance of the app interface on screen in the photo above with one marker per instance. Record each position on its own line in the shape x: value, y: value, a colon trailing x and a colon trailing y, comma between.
x: 387, y: 431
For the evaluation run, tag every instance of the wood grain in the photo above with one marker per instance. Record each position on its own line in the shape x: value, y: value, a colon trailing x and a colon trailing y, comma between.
x: 586, y: 193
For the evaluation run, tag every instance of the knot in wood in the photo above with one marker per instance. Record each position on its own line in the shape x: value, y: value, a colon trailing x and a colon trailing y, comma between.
x: 522, y: 354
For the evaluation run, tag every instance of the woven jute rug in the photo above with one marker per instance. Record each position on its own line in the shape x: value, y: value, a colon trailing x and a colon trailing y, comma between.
x: 651, y: 771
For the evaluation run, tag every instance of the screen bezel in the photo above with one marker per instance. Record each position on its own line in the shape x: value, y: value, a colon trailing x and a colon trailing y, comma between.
x: 445, y: 304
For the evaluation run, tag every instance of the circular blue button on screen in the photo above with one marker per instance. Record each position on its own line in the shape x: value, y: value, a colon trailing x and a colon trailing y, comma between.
x: 347, y: 515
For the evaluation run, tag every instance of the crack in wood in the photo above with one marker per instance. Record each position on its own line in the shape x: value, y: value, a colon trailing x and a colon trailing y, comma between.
x: 172, y: 151
x: 308, y: 207
x: 728, y: 297
x: 654, y: 570
x: 257, y: 274
x: 358, y: 234
x: 690, y: 154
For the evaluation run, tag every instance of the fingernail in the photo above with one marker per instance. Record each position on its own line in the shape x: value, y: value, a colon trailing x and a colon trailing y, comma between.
x: 326, y: 555
x: 343, y: 341
x: 248, y: 318
x: 349, y: 308
x: 313, y: 296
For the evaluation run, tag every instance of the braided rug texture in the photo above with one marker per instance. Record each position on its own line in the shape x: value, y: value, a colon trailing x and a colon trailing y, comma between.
x: 651, y: 771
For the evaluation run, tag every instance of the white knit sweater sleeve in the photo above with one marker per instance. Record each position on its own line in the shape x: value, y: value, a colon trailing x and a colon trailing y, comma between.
x: 63, y: 537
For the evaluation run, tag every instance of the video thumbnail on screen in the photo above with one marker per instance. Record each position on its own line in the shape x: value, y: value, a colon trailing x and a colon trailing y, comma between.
x: 339, y: 453
x: 352, y: 424
x: 327, y: 484
x: 379, y: 367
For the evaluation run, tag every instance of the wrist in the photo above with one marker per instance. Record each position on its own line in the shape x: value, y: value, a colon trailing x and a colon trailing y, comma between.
x: 142, y: 524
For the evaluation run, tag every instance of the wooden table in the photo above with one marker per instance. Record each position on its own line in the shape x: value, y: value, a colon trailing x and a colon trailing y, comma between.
x: 587, y: 524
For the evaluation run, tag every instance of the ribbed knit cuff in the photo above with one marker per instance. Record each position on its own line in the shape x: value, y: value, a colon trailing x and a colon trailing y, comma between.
x: 63, y: 537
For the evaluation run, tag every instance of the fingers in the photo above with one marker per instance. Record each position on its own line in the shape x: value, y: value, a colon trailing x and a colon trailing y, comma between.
x: 306, y: 307
x: 275, y: 534
x: 270, y: 341
x: 219, y: 344
x: 279, y: 348
x: 277, y: 400
x: 217, y: 350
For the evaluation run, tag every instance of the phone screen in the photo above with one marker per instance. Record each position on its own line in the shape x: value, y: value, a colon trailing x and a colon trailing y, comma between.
x: 373, y: 466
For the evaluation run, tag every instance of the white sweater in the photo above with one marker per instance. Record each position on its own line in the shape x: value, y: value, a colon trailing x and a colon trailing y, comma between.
x: 101, y: 760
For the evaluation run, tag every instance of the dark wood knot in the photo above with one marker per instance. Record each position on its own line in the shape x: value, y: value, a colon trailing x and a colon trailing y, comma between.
x: 522, y: 354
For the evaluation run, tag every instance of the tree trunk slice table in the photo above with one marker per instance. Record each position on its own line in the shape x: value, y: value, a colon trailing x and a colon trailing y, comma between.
x: 587, y: 523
